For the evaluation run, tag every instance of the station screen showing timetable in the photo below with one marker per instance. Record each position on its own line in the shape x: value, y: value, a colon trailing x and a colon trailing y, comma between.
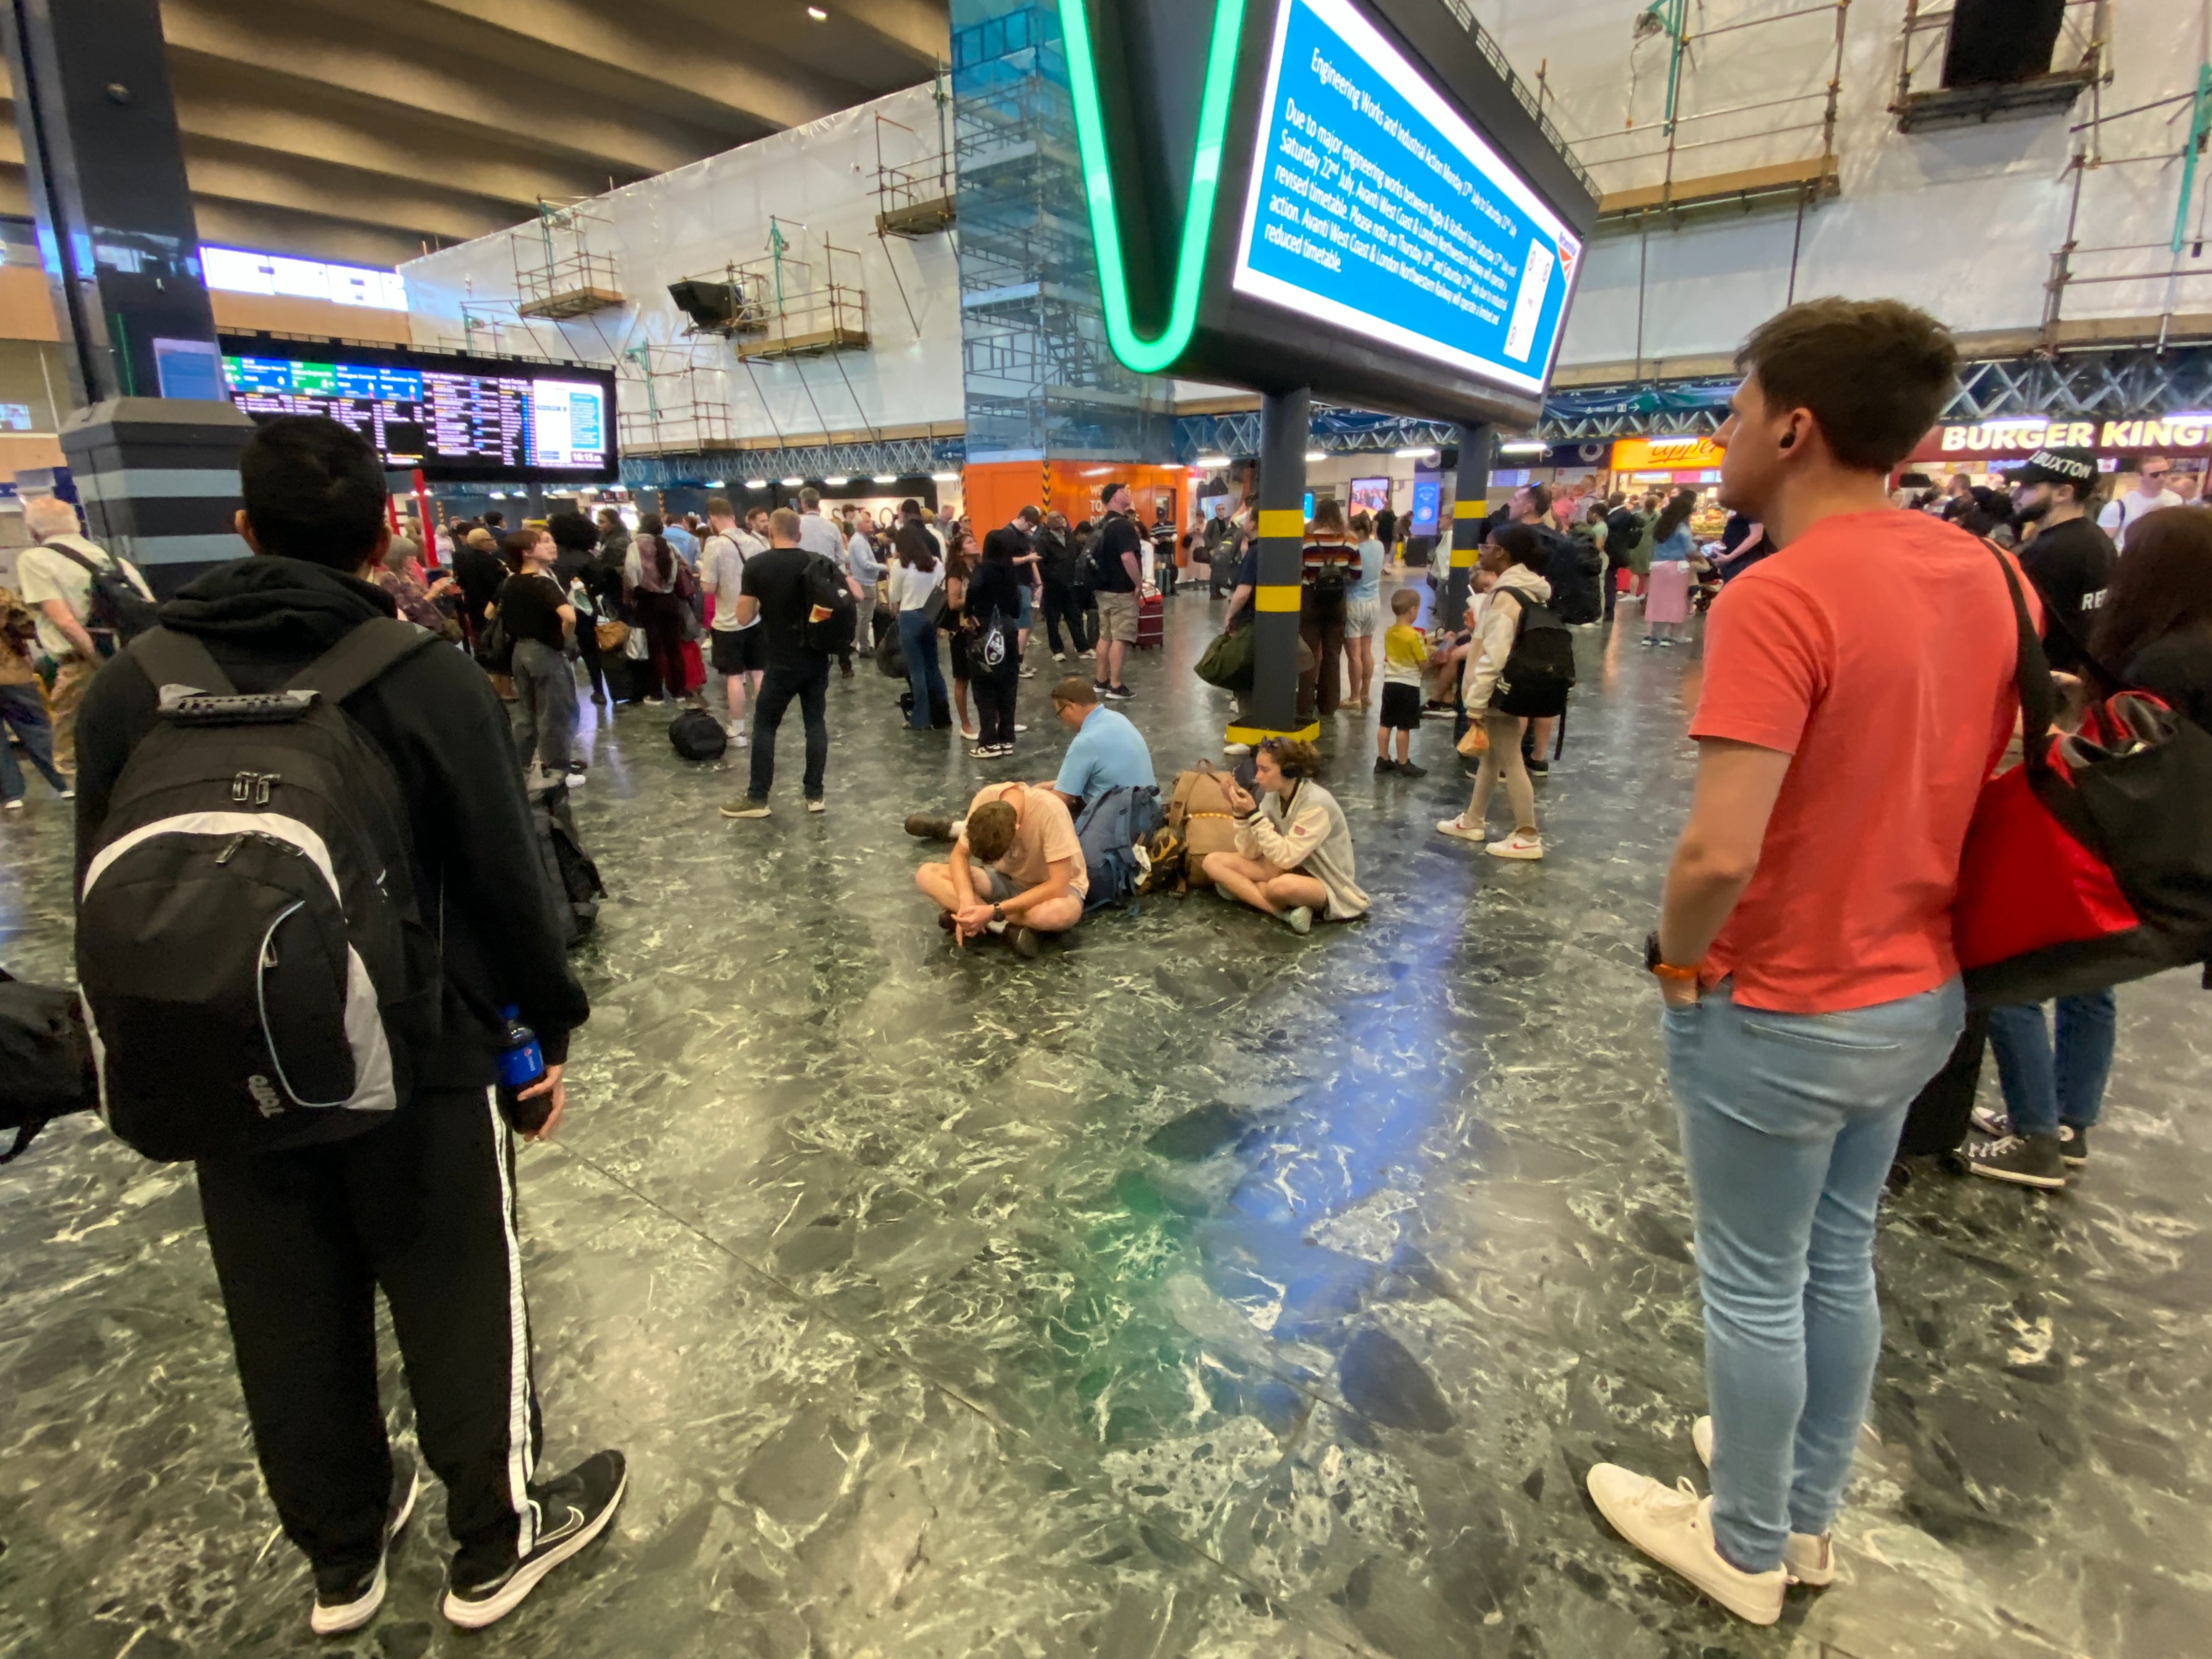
x: 1375, y: 206
x: 454, y: 422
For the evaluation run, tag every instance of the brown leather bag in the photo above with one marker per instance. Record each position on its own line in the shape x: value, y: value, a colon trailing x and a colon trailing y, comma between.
x: 1198, y: 811
x: 612, y: 635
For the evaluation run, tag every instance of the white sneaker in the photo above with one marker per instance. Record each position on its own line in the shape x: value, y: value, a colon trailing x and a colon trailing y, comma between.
x: 1059, y: 656
x: 969, y: 735
x: 1518, y: 845
x: 1808, y: 1560
x: 1674, y: 1527
x: 1460, y: 831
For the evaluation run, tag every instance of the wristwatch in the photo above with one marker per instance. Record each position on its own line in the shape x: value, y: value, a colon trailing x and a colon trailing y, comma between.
x: 1655, y: 964
x: 998, y: 913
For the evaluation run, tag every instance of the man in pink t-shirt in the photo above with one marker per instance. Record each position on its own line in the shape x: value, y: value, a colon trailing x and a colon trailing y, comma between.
x: 1859, y: 692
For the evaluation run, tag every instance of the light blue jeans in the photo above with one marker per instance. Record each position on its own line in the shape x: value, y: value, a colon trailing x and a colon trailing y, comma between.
x: 2043, y: 1088
x: 1790, y: 1122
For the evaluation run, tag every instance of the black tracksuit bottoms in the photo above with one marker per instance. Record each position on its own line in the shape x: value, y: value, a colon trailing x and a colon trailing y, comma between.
x: 423, y: 1206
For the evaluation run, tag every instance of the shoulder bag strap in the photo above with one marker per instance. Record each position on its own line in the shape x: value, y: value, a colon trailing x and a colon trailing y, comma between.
x: 74, y: 557
x: 2039, y: 701
x: 168, y: 658
x: 365, y: 653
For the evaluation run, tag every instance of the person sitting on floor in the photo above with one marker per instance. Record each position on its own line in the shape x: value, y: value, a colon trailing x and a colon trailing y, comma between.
x: 1293, y: 857
x: 1108, y: 751
x: 1017, y: 869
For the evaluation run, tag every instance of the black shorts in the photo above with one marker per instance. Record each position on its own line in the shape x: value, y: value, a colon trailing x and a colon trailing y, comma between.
x: 740, y: 650
x: 1401, y: 707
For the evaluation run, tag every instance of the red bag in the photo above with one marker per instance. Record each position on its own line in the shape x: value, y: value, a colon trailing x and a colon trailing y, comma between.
x: 2090, y: 864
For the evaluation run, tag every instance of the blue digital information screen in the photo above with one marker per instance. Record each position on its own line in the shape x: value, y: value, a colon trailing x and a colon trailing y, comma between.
x: 1375, y: 206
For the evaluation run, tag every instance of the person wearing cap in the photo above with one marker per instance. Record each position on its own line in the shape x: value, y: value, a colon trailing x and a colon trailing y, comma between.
x: 2149, y: 495
x: 2066, y: 556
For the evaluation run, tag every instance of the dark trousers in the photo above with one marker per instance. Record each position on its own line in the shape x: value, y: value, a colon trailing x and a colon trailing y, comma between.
x: 23, y: 711
x: 809, y: 682
x: 1060, y: 606
x: 995, y: 704
x: 1086, y: 613
x: 588, y: 649
x: 1164, y: 572
x: 423, y: 1208
x: 1323, y: 633
x: 661, y: 615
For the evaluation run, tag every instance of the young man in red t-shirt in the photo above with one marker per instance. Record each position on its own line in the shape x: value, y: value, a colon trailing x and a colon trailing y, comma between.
x: 1858, y: 691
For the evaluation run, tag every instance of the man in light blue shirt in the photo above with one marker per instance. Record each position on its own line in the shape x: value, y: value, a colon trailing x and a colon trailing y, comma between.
x: 1107, y: 753
x: 817, y: 535
x: 864, y: 568
x: 680, y: 540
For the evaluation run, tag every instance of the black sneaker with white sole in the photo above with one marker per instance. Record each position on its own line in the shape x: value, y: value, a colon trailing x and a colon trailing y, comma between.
x: 2023, y: 1160
x: 572, y: 1511
x: 346, y: 1598
x: 2074, y: 1144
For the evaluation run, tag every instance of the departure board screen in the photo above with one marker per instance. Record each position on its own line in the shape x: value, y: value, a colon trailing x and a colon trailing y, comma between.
x: 458, y: 419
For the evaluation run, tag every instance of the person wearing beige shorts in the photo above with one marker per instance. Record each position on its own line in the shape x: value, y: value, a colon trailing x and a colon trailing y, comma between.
x: 1117, y: 617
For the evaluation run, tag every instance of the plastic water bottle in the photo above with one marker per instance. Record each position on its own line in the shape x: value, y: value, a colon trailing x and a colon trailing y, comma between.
x: 522, y: 1065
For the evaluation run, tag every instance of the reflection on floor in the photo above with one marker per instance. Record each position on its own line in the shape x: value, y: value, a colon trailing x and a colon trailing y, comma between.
x: 1198, y: 1289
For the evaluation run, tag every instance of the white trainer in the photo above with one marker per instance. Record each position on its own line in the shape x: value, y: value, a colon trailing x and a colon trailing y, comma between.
x: 1459, y: 829
x: 1674, y: 1527
x: 1809, y: 1560
x: 1518, y: 845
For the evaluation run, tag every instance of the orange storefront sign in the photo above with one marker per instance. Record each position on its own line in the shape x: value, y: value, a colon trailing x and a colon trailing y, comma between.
x: 1664, y: 454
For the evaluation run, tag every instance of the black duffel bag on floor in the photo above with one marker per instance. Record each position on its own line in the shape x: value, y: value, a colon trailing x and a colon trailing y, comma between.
x: 45, y: 1059
x: 698, y: 736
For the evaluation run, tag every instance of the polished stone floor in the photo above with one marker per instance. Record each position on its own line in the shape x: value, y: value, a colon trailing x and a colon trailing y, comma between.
x: 1198, y: 1289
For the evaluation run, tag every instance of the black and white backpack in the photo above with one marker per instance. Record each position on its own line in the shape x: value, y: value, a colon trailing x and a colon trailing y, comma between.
x: 253, y: 965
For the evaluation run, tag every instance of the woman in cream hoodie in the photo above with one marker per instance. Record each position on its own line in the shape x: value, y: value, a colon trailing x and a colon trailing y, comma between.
x: 1499, y: 627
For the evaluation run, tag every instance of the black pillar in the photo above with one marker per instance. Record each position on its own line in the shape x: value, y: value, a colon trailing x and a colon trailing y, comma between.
x: 1286, y: 429
x: 1470, y: 495
x: 152, y: 443
x: 106, y: 172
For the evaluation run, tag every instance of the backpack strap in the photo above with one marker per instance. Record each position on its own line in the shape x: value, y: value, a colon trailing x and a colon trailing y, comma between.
x: 362, y: 656
x: 169, y: 658
x: 75, y: 557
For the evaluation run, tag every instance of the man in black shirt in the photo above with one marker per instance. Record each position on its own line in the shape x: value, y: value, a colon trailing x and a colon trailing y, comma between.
x: 422, y: 1205
x: 777, y: 590
x: 1163, y: 548
x: 2067, y: 558
x: 1117, y: 573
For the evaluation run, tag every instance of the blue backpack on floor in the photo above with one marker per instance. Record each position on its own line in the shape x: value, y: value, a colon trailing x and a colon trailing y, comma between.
x: 1109, y: 831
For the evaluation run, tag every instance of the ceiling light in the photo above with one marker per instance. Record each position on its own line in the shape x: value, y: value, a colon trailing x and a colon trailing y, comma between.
x: 944, y: 477
x: 834, y: 483
x: 756, y: 483
x: 1213, y: 460
x: 1416, y: 453
x: 1313, y: 455
x: 1524, y: 448
x: 718, y: 484
x: 499, y: 495
x: 818, y: 14
x: 886, y: 477
x: 793, y: 484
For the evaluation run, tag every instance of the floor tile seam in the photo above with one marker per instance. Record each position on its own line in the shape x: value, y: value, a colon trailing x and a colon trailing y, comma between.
x: 929, y: 1379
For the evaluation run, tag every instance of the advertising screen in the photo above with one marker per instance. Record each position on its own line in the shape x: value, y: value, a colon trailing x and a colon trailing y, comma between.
x: 1371, y: 495
x: 1375, y: 207
x: 468, y: 421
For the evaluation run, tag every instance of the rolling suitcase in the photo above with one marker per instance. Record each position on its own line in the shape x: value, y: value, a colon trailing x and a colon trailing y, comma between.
x: 1151, y: 615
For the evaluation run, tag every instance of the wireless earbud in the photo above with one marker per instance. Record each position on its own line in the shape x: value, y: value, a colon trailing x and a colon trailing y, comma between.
x: 1788, y: 441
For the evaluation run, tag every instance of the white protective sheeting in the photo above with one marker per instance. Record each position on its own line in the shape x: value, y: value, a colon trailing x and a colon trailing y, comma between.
x: 819, y: 183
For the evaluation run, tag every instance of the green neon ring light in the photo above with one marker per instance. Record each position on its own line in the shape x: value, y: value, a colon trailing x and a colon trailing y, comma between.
x: 1138, y: 353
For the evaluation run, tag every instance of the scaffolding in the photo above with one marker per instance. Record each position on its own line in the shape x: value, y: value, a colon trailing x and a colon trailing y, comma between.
x: 1927, y: 37
x: 783, y: 306
x: 1040, y: 379
x: 556, y: 274
x: 915, y: 198
x: 2160, y: 268
x: 1643, y: 180
x: 672, y: 402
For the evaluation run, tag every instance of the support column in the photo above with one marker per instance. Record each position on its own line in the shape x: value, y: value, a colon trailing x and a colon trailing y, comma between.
x: 1271, y: 710
x: 152, y: 443
x: 1470, y: 493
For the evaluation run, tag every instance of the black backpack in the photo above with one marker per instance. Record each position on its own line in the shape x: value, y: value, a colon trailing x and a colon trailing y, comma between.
x: 827, y: 590
x: 254, y: 967
x: 115, y: 606
x: 1539, y: 669
x: 696, y: 735
x: 45, y: 1059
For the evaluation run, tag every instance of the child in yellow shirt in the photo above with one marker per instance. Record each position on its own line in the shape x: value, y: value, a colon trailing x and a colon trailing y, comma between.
x: 1405, y: 655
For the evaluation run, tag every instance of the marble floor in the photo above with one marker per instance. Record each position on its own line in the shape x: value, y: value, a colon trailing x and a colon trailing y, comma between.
x: 1197, y: 1289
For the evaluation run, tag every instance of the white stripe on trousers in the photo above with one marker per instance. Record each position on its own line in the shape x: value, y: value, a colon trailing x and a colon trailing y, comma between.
x: 519, y: 1451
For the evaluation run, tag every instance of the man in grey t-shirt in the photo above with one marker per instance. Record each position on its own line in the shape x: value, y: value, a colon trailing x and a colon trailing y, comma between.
x: 817, y: 535
x: 739, y: 648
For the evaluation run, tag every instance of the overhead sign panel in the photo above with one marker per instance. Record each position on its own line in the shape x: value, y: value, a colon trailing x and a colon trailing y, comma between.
x: 1346, y: 195
x: 459, y: 419
x: 1373, y: 204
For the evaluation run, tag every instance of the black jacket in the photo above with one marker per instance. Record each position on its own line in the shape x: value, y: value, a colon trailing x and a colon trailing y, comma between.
x: 478, y: 877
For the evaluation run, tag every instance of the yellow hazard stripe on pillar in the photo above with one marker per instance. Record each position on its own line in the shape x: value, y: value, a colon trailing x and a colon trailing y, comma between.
x: 1470, y: 510
x: 1284, y: 522
x: 1277, y: 596
x: 1257, y: 735
x: 1463, y: 557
